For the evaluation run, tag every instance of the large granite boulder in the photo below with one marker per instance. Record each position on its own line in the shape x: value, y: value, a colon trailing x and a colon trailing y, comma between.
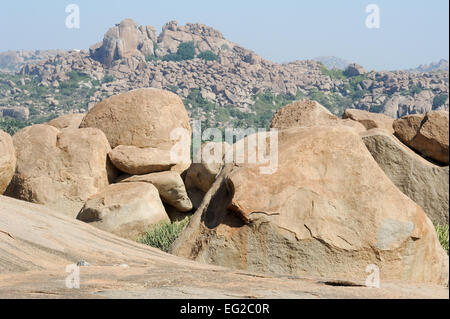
x: 144, y: 118
x: 60, y: 169
x: 427, y: 134
x: 328, y: 211
x: 7, y: 160
x: 423, y: 182
x: 124, y: 209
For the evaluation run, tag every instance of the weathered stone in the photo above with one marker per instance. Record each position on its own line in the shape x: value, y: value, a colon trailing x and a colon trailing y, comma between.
x: 423, y: 182
x: 139, y: 161
x: 37, y: 244
x: 124, y: 209
x: 60, y: 169
x: 141, y: 118
x: 170, y: 187
x: 328, y: 211
x: 67, y: 121
x: 427, y: 134
x: 7, y: 160
x: 370, y: 120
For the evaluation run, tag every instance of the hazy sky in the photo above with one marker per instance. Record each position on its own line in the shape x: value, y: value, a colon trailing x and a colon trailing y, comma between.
x: 411, y: 32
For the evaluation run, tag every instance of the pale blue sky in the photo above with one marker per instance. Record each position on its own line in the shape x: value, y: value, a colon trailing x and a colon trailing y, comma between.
x: 412, y: 31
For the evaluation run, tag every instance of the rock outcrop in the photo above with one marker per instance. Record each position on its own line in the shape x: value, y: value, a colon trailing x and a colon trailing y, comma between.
x: 428, y: 134
x: 7, y: 160
x: 37, y: 245
x: 329, y: 210
x: 60, y: 169
x: 126, y: 209
x: 423, y: 182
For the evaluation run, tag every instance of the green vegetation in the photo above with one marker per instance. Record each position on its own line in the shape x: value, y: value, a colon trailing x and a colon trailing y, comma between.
x: 186, y: 51
x: 163, y: 235
x: 442, y: 233
x: 439, y: 100
x: 415, y: 90
x: 108, y: 79
x: 334, y: 74
x: 208, y: 56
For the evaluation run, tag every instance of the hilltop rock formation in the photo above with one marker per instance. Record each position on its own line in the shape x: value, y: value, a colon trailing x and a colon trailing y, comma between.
x: 7, y: 160
x: 425, y: 183
x: 428, y: 134
x: 329, y: 210
x: 125, y: 59
x: 60, y: 169
x: 125, y: 209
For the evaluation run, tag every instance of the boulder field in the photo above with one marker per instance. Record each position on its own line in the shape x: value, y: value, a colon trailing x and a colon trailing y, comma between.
x: 346, y: 194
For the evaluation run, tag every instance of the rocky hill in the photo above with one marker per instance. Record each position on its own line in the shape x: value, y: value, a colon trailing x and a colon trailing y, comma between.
x: 219, y: 81
x: 442, y: 65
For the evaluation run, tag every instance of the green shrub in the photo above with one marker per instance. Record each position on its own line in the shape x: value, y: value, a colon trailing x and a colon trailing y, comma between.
x: 442, y: 233
x: 163, y: 235
x: 208, y: 56
x: 108, y: 79
x: 415, y: 90
x: 186, y: 51
x: 334, y: 74
x: 439, y: 100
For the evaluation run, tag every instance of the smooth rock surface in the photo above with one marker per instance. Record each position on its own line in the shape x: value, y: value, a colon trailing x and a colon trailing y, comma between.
x: 370, y: 120
x: 60, y: 169
x: 139, y: 161
x: 37, y: 244
x: 7, y: 160
x: 329, y: 210
x: 423, y: 182
x: 125, y: 209
x: 170, y: 187
x: 67, y: 121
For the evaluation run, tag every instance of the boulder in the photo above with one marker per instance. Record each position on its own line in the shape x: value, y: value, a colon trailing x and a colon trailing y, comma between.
x: 425, y: 183
x: 139, y: 161
x: 143, y: 118
x: 354, y: 70
x: 7, y: 160
x: 170, y: 187
x: 67, y: 121
x: 370, y: 120
x: 125, y: 209
x: 308, y: 113
x: 328, y: 211
x: 427, y: 134
x: 60, y: 169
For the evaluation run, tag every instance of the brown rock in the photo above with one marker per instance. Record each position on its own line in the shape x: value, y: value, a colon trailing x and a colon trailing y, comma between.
x: 67, y: 121
x: 307, y: 113
x: 7, y: 160
x: 141, y: 118
x: 60, y: 169
x: 427, y: 134
x: 138, y: 161
x: 37, y: 245
x: 370, y: 120
x: 125, y: 209
x: 423, y: 182
x: 328, y: 211
x: 170, y: 187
